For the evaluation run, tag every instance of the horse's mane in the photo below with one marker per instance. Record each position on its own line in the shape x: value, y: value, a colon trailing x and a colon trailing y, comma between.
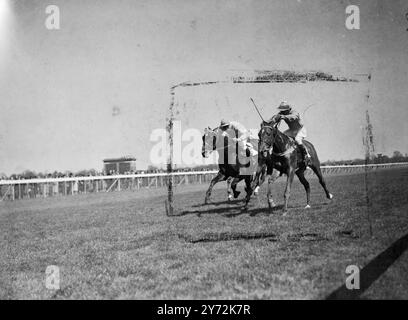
x: 281, y: 134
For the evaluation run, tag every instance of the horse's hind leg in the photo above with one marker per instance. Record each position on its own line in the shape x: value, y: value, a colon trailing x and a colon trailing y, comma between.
x: 219, y: 177
x: 301, y: 176
x: 316, y: 169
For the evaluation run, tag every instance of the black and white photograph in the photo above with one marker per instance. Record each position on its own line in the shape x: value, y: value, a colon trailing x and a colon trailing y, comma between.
x: 205, y: 150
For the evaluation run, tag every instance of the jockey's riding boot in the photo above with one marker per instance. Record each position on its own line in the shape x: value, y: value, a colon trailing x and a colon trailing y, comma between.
x: 248, y: 152
x: 305, y: 154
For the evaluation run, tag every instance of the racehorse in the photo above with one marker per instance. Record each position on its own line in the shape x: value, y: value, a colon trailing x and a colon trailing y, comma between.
x: 279, y: 151
x: 228, y: 170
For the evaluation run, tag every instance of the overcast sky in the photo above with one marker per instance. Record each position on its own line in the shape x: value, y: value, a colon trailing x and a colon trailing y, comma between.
x: 97, y: 87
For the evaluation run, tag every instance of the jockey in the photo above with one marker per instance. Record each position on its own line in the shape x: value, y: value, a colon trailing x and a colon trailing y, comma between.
x: 296, y: 129
x: 240, y: 135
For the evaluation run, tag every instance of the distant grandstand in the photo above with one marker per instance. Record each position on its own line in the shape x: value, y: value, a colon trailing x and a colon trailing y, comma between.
x: 120, y: 165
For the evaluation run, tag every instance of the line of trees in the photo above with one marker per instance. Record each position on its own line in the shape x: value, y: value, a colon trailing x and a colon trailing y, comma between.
x: 379, y: 158
x: 30, y: 174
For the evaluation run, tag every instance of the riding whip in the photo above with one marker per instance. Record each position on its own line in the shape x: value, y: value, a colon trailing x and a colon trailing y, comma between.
x: 307, y: 108
x: 257, y: 109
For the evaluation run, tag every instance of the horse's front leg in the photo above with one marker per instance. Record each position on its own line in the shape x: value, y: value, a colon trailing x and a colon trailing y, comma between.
x: 234, y: 184
x: 289, y: 181
x: 219, y: 177
x: 261, y: 180
x: 259, y: 177
x: 253, y: 182
x: 229, y: 188
x: 271, y: 180
x: 248, y: 189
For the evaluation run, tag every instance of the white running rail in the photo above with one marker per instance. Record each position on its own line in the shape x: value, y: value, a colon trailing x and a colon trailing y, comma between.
x: 44, y: 187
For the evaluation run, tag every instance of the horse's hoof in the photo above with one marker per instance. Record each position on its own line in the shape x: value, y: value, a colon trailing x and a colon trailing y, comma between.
x: 307, y: 206
x: 330, y: 196
x: 255, y: 194
x: 271, y: 204
x: 285, y: 212
x: 230, y: 198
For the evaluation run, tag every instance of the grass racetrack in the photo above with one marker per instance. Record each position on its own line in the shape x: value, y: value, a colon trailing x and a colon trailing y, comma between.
x: 121, y: 245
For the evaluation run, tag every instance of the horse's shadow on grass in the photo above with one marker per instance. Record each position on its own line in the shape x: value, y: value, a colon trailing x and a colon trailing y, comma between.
x: 231, y: 212
x: 200, y: 205
x: 234, y: 209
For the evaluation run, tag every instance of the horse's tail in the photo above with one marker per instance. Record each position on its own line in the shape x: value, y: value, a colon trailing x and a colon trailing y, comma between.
x: 312, y: 152
x: 315, y: 166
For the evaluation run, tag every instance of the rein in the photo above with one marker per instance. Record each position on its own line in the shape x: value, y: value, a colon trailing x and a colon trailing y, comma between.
x: 282, y: 154
x: 220, y: 148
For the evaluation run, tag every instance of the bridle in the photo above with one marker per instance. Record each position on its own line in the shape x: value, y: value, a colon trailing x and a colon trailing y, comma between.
x: 274, y: 133
x: 274, y: 129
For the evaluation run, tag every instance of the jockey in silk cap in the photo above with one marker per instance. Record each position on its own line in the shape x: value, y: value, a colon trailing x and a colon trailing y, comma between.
x: 239, y: 134
x: 296, y: 129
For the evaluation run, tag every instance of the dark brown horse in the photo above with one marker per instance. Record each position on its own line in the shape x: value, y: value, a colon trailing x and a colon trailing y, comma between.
x: 279, y: 151
x: 228, y: 170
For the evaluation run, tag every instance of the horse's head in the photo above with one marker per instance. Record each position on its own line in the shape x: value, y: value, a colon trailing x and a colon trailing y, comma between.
x: 267, y: 136
x: 209, y: 142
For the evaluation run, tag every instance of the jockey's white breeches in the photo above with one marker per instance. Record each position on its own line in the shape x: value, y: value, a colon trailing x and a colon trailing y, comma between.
x: 297, y: 135
x: 243, y: 145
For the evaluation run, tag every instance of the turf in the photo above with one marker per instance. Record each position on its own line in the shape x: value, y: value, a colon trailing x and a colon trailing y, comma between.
x: 121, y: 245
